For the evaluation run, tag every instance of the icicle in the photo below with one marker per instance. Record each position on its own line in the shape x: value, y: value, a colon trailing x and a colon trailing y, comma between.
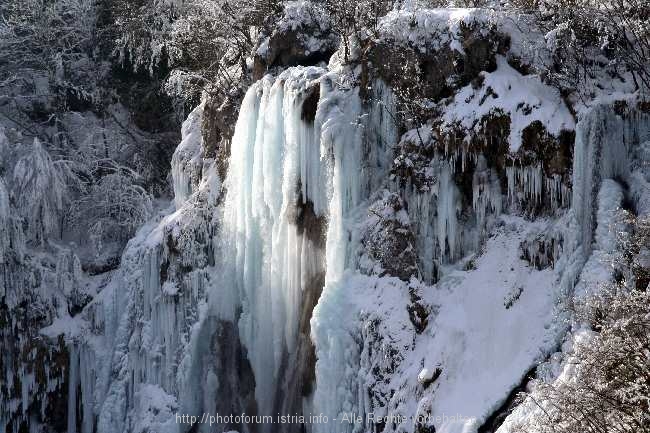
x: 448, y: 209
x: 486, y: 196
x: 528, y: 186
x: 187, y: 159
x: 380, y: 135
x: 87, y: 379
x: 338, y: 357
x: 434, y: 215
x: 73, y: 383
x: 5, y: 224
x: 275, y: 169
x: 602, y: 150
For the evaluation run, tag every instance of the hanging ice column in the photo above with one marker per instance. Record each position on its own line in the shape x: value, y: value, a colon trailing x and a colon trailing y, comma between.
x: 275, y: 173
x: 296, y: 160
x: 353, y: 173
x: 604, y: 140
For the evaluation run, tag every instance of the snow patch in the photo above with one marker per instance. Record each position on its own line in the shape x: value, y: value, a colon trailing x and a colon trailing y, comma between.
x: 524, y: 98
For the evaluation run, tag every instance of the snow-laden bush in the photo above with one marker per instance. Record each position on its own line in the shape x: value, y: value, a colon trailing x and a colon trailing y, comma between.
x: 605, y: 383
x: 40, y: 193
x: 609, y: 390
x: 114, y: 206
x: 588, y: 37
x: 198, y: 41
x: 55, y: 37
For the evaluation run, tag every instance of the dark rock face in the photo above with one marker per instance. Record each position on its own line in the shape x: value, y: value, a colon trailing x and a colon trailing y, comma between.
x: 403, y: 67
x: 542, y: 251
x: 435, y: 72
x: 236, y: 378
x: 305, y: 41
x: 289, y: 49
x: 310, y: 105
x: 298, y: 371
x: 389, y: 241
x: 298, y: 375
x: 28, y: 354
x: 497, y: 418
x: 555, y: 154
x: 418, y: 312
x: 219, y: 118
x: 411, y: 162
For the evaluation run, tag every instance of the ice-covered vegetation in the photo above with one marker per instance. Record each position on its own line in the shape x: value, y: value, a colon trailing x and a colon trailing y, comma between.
x: 397, y: 214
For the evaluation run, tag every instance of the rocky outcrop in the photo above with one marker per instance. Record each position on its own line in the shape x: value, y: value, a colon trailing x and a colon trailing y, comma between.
x: 34, y: 381
x: 388, y: 242
x: 218, y: 124
x: 437, y: 67
x: 302, y: 36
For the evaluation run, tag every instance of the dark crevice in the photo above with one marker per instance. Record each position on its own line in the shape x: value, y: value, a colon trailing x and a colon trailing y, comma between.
x: 497, y: 418
x: 310, y: 105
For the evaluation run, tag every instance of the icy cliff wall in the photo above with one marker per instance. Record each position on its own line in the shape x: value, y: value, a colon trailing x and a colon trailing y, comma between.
x: 608, y: 145
x: 342, y: 265
x: 210, y: 308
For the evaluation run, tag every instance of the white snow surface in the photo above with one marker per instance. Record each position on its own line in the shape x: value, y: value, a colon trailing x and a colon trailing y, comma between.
x: 231, y: 251
x: 432, y: 28
x: 482, y: 347
x: 524, y: 98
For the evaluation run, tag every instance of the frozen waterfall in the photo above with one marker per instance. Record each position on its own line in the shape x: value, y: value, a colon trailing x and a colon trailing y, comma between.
x: 297, y: 161
x: 274, y: 174
x: 605, y: 141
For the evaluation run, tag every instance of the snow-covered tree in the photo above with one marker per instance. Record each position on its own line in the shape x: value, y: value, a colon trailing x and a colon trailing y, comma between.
x: 55, y: 37
x: 605, y: 386
x: 113, y: 208
x: 356, y: 19
x: 588, y: 35
x: 609, y: 390
x: 194, y: 42
x: 40, y: 194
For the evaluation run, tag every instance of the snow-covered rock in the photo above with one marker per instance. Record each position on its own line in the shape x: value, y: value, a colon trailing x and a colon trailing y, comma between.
x: 330, y: 257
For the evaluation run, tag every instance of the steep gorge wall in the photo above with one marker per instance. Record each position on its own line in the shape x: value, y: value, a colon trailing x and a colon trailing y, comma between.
x: 211, y: 310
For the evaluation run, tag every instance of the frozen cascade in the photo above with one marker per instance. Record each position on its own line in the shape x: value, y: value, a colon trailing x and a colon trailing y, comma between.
x: 87, y: 385
x: 274, y: 174
x: 297, y: 151
x: 379, y: 135
x: 148, y: 350
x: 336, y: 383
x: 486, y: 193
x: 187, y: 159
x: 529, y: 179
x: 529, y: 185
x: 137, y: 332
x: 164, y: 323
x: 295, y: 159
x: 440, y: 236
x: 73, y: 384
x: 5, y: 224
x: 604, y: 140
x: 448, y: 209
x: 81, y: 380
x: 434, y: 213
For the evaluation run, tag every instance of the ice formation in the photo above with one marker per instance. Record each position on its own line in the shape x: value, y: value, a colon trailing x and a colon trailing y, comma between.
x: 286, y: 163
x: 296, y: 156
x: 275, y: 171
x: 186, y: 161
x: 246, y: 293
x: 606, y: 142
